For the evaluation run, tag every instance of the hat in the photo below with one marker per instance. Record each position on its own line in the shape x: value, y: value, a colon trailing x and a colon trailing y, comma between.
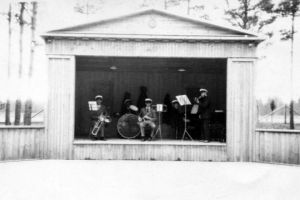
x: 127, y: 101
x: 174, y: 101
x: 203, y: 90
x: 98, y: 97
x: 148, y: 100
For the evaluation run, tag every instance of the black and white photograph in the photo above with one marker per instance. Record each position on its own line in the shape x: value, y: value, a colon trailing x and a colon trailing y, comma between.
x: 149, y: 99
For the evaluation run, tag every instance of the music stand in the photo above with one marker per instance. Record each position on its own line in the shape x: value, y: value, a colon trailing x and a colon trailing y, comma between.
x: 159, y: 109
x: 183, y: 100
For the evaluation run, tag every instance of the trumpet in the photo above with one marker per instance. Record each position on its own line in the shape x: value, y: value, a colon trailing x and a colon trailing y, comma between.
x: 102, y: 119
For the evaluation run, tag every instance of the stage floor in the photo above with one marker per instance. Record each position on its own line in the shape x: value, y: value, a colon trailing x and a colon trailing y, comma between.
x: 153, y: 142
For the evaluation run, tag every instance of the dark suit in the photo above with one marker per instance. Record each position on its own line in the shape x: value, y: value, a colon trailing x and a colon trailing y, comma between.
x: 176, y: 120
x: 204, y: 114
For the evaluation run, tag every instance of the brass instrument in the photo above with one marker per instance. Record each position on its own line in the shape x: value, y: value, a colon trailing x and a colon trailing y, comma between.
x: 102, y: 119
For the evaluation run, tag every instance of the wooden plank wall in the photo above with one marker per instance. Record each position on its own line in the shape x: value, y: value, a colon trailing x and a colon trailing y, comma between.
x: 60, y: 107
x: 17, y: 143
x: 150, y: 152
x: 276, y: 146
x: 240, y: 108
x: 168, y: 49
x: 158, y: 85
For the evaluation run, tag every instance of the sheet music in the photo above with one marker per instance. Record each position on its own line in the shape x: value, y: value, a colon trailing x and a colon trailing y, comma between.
x: 92, y: 105
x: 183, y: 100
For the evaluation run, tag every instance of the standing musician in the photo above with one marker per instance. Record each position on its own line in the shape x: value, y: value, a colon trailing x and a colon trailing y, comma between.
x: 204, y: 114
x: 176, y: 117
x: 95, y: 117
x: 147, y: 117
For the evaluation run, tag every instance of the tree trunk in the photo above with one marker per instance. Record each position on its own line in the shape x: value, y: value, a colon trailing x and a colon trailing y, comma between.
x: 7, y: 113
x: 7, y: 108
x: 28, y: 103
x: 18, y: 101
x: 292, y: 124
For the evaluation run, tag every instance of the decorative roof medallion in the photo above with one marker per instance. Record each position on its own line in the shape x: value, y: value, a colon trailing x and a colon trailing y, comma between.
x: 152, y: 22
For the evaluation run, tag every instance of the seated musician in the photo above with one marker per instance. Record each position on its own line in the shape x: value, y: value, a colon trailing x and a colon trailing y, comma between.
x: 126, y: 106
x: 147, y: 117
x: 95, y: 117
x: 176, y: 117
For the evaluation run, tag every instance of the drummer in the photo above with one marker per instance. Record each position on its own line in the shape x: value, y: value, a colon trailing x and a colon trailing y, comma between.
x: 126, y: 109
x: 147, y: 117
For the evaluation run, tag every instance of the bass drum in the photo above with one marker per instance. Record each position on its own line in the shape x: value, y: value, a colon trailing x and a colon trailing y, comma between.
x: 128, y: 126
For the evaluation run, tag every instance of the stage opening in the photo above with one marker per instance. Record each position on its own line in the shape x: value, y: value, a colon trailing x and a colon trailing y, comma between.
x: 163, y: 79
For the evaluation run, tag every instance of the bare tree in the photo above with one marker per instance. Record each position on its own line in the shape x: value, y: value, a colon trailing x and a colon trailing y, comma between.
x: 28, y: 103
x: 21, y: 23
x: 88, y: 7
x: 7, y: 108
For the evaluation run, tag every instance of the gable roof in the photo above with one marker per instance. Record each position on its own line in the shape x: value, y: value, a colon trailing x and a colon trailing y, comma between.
x: 214, y: 31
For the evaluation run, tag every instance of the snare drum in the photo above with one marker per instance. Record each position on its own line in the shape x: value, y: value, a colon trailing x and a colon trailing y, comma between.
x: 128, y: 126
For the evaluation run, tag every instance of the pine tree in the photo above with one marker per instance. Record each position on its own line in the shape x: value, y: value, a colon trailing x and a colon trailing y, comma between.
x: 250, y: 15
x: 290, y: 9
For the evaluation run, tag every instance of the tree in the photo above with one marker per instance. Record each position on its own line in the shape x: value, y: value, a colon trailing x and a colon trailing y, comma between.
x: 28, y: 103
x: 21, y: 23
x: 251, y: 15
x: 273, y: 107
x: 7, y: 108
x: 88, y: 7
x: 289, y: 9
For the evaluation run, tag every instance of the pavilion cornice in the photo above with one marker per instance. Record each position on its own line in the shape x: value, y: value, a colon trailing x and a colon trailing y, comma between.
x: 149, y: 38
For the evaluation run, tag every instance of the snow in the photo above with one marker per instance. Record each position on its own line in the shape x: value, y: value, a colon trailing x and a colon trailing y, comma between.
x: 90, y: 179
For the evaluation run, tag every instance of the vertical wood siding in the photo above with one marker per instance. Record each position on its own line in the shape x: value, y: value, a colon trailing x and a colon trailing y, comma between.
x: 240, y: 108
x: 149, y: 152
x: 18, y: 143
x: 276, y: 146
x: 60, y: 110
x: 151, y: 49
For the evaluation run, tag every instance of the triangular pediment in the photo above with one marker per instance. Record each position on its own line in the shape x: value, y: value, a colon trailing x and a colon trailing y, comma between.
x: 155, y: 23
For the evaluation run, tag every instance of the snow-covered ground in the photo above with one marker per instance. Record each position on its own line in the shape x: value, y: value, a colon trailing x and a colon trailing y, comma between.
x: 69, y: 180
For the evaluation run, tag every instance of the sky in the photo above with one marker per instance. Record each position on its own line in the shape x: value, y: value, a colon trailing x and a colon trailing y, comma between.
x: 272, y: 71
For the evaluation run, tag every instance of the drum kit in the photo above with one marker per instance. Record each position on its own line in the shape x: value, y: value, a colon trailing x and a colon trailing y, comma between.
x: 128, y: 124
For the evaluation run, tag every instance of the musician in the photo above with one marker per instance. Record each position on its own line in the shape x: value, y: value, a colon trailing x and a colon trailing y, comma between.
x: 176, y: 117
x: 204, y: 114
x: 126, y: 106
x: 148, y: 118
x: 101, y: 110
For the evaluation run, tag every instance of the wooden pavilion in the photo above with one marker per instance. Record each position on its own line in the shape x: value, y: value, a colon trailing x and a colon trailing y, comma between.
x: 147, y: 48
